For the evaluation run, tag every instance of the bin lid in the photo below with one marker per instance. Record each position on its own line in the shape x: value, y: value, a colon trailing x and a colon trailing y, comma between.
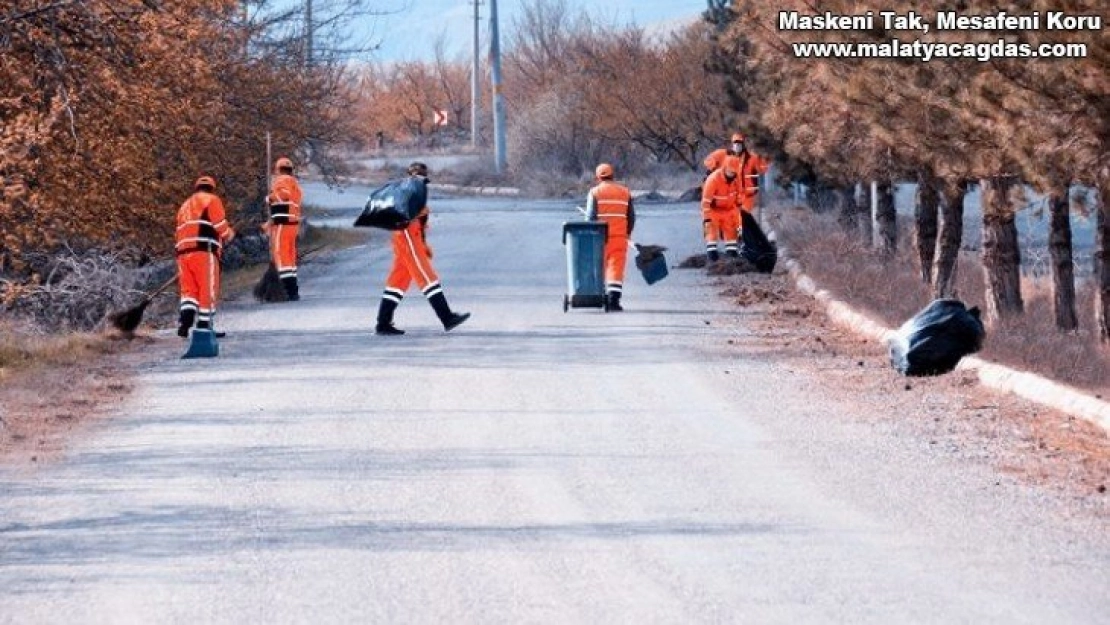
x: 585, y: 226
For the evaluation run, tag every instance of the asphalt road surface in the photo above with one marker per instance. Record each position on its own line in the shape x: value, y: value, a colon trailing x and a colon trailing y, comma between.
x: 531, y: 466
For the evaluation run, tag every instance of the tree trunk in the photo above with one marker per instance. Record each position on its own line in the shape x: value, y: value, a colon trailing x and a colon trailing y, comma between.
x: 886, y: 221
x: 925, y: 209
x: 863, y: 220
x: 1063, y: 270
x: 849, y: 212
x: 950, y: 240
x: 1001, y: 255
x: 1102, y: 262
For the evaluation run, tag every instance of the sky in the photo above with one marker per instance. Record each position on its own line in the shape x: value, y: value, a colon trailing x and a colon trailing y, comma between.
x: 411, y: 32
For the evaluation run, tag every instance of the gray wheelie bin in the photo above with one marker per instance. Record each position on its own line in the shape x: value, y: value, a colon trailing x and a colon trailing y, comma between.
x: 585, y: 243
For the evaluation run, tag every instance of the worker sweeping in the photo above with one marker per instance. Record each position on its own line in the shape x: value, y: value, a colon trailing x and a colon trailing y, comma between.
x: 202, y: 231
x: 611, y: 203
x: 717, y: 157
x: 720, y: 210
x: 283, y: 225
x: 412, y: 260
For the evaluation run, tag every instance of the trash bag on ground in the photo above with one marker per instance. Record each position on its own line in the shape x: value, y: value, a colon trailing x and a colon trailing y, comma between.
x: 755, y: 246
x: 934, y: 340
x: 393, y: 205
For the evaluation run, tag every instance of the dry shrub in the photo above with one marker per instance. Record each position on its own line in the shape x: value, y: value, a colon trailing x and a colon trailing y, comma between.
x: 75, y: 292
x: 891, y: 291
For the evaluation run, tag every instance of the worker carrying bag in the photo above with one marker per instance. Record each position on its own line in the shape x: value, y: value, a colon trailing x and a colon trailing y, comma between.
x: 935, y: 339
x: 394, y: 205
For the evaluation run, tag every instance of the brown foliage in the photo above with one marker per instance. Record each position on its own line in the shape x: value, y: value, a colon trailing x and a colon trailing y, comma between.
x: 117, y: 107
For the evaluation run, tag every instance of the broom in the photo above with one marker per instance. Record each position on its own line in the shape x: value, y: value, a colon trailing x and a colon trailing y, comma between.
x: 269, y: 287
x: 128, y: 320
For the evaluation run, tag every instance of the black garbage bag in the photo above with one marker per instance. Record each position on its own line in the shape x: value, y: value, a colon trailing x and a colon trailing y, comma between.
x: 393, y: 205
x: 934, y: 340
x: 755, y: 246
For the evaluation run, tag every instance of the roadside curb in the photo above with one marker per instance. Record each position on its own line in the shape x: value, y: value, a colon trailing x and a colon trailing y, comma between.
x: 992, y: 375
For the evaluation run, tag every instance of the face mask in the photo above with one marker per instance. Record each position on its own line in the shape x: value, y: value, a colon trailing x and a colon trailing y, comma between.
x: 737, y: 147
x: 730, y: 176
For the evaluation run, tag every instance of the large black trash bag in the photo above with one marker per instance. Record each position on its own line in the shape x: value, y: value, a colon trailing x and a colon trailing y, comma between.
x: 935, y: 339
x: 393, y: 205
x: 755, y: 246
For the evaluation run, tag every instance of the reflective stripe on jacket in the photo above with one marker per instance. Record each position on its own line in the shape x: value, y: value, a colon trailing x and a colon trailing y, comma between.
x: 751, y: 167
x: 285, y: 200
x: 612, y: 203
x: 201, y: 224
x: 718, y: 194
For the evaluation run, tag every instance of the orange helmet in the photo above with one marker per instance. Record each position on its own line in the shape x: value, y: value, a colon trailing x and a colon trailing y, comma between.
x: 732, y: 164
x: 205, y: 181
x: 736, y: 136
x: 283, y: 163
x: 604, y: 171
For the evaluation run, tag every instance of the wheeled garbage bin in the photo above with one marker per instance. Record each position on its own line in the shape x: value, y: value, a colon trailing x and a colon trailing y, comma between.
x: 585, y: 243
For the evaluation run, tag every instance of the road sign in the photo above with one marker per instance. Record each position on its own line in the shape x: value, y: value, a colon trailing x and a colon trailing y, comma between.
x: 439, y: 117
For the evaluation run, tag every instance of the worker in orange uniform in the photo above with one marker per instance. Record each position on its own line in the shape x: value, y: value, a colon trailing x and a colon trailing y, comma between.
x: 717, y: 157
x: 720, y: 209
x: 412, y: 260
x: 752, y: 166
x: 202, y: 232
x: 284, y: 201
x: 611, y: 203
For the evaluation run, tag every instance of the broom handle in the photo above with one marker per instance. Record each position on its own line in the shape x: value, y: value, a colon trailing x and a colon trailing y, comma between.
x: 165, y: 285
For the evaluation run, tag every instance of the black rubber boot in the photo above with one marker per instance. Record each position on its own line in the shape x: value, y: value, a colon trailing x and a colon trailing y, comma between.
x: 712, y: 256
x: 385, y: 319
x: 292, y: 291
x: 732, y: 253
x: 185, y: 319
x: 615, y: 301
x: 450, y: 320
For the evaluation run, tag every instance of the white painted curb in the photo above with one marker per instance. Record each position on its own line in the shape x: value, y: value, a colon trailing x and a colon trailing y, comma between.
x: 1022, y: 383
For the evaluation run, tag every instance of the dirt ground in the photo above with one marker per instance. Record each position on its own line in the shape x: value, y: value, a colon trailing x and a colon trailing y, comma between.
x: 42, y: 410
x: 1065, y: 455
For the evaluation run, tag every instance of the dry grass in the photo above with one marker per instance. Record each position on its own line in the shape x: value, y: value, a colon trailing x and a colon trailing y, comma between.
x: 23, y: 347
x: 892, y: 292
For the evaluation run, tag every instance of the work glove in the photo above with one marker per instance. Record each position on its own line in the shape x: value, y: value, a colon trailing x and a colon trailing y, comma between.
x: 713, y: 203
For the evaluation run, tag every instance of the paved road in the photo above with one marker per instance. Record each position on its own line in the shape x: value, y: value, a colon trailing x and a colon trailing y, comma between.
x: 532, y: 466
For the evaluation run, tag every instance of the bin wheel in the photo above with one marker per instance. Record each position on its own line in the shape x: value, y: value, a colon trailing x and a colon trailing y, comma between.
x: 566, y: 303
x: 605, y: 307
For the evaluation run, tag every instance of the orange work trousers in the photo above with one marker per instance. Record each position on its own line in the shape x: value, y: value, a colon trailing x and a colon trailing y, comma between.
x: 199, y: 282
x: 721, y: 225
x: 283, y: 249
x: 411, y: 261
x: 616, y: 255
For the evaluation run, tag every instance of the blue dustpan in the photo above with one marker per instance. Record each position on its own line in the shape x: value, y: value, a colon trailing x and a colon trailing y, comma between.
x: 203, y: 345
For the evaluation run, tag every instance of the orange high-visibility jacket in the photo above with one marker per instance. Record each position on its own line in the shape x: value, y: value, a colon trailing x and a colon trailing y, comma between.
x: 716, y: 158
x: 718, y: 194
x: 284, y: 200
x: 612, y: 203
x: 202, y: 224
x: 751, y: 167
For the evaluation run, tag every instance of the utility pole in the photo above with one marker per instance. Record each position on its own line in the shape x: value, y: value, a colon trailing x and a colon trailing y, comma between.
x: 475, y: 92
x: 498, y: 100
x: 308, y: 26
